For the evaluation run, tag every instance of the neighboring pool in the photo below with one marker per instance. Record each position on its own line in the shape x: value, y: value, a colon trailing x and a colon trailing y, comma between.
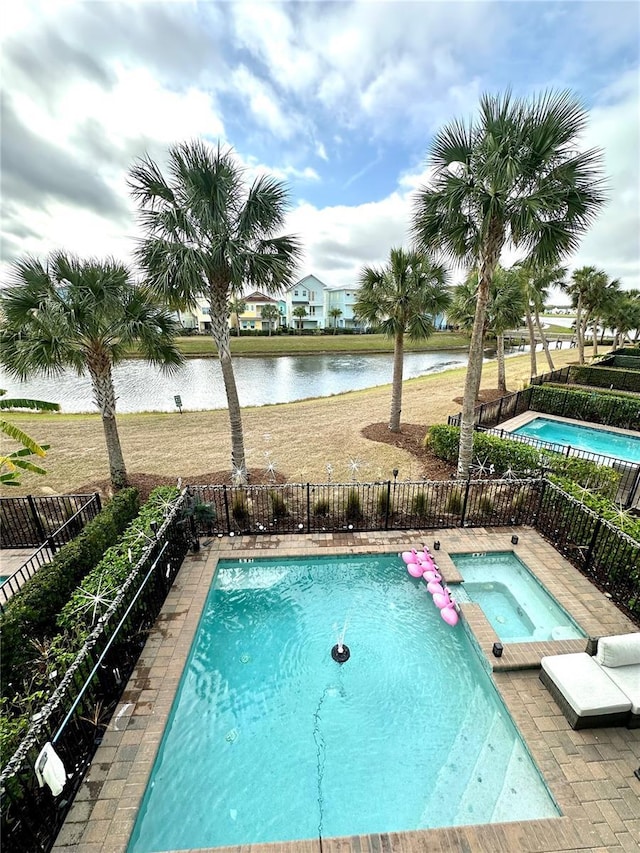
x: 269, y: 739
x: 594, y: 440
x: 518, y: 607
x: 4, y: 578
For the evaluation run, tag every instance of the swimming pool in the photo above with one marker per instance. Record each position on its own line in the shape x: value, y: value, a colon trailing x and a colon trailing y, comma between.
x: 269, y: 739
x: 594, y: 440
x: 518, y: 607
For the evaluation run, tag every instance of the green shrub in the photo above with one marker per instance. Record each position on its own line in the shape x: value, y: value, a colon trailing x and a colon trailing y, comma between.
x: 100, y: 587
x: 353, y: 509
x: 444, y: 441
x: 523, y: 460
x: 278, y: 505
x: 240, y: 510
x: 419, y: 504
x: 618, y: 411
x: 454, y: 502
x: 321, y: 507
x: 485, y: 505
x: 607, y: 376
x: 32, y: 678
x: 31, y: 614
x: 384, y: 502
x: 602, y: 506
x: 204, y: 515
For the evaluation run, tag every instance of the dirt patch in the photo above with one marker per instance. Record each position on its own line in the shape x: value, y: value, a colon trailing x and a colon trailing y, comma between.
x: 145, y: 483
x: 485, y: 395
x: 411, y: 439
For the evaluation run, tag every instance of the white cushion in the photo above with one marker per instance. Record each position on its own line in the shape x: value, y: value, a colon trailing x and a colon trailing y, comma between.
x: 585, y: 686
x: 622, y: 650
x: 628, y: 680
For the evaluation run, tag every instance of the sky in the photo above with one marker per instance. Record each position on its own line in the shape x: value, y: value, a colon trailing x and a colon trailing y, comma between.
x: 339, y: 99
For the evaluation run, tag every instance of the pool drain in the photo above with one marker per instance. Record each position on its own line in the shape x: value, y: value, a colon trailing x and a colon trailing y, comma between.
x: 340, y: 653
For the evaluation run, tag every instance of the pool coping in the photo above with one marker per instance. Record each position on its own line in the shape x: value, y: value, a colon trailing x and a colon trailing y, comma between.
x: 589, y: 773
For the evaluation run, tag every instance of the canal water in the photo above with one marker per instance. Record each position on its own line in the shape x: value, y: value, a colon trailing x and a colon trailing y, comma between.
x: 282, y: 379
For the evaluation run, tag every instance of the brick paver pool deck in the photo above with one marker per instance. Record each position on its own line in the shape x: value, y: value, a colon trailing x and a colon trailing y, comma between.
x: 589, y: 772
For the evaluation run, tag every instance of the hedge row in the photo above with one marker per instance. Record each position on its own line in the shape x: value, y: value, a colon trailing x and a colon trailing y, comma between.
x: 523, y: 460
x: 32, y: 613
x: 605, y: 508
x: 606, y: 376
x: 618, y: 411
x: 34, y: 678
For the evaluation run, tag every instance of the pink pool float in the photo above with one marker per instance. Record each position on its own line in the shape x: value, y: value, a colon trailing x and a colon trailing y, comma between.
x: 415, y: 570
x: 432, y: 575
x: 411, y: 556
x: 441, y: 600
x: 450, y: 614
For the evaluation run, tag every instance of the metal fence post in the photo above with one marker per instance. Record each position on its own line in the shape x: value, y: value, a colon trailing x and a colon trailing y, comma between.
x: 308, y: 508
x: 633, y: 489
x: 96, y: 495
x: 226, y: 508
x: 36, y: 519
x: 386, y: 511
x: 589, y: 557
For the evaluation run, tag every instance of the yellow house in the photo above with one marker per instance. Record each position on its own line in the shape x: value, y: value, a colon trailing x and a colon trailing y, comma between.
x: 251, y: 318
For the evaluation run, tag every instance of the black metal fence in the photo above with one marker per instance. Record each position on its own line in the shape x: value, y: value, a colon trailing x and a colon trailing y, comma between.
x: 602, y: 552
x: 65, y: 533
x: 497, y: 411
x: 629, y: 472
x: 337, y: 507
x: 31, y: 521
x: 75, y: 717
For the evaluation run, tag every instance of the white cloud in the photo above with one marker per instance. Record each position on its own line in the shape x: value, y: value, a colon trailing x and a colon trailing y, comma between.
x: 613, y: 242
x: 263, y: 103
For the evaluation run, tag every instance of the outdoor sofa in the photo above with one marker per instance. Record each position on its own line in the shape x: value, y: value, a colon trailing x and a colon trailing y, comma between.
x: 603, y: 690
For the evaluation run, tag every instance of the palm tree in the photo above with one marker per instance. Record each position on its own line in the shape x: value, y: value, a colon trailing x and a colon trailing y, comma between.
x: 15, y: 461
x: 600, y: 295
x: 335, y: 314
x: 504, y: 310
x: 207, y: 235
x: 512, y: 176
x: 300, y: 312
x: 402, y: 298
x: 623, y: 315
x: 237, y: 307
x: 590, y: 291
x: 83, y: 315
x: 536, y: 282
x: 271, y: 314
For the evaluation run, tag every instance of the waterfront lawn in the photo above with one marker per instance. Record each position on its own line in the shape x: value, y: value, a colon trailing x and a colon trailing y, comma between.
x: 201, y: 346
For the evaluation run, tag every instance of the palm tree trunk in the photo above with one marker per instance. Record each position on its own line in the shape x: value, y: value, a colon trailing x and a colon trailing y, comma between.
x: 543, y: 338
x: 487, y: 265
x: 396, y: 388
x: 502, y: 375
x: 99, y: 366
x: 220, y: 333
x: 579, y: 331
x: 596, y: 320
x: 532, y: 340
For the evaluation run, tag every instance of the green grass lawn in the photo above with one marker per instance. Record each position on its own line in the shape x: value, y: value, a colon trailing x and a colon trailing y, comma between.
x: 201, y: 346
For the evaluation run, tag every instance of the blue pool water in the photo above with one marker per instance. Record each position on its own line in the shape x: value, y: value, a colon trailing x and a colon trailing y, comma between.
x: 270, y: 739
x: 518, y: 607
x: 594, y: 440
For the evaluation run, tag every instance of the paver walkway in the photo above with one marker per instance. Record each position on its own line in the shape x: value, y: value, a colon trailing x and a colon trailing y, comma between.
x: 589, y: 772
